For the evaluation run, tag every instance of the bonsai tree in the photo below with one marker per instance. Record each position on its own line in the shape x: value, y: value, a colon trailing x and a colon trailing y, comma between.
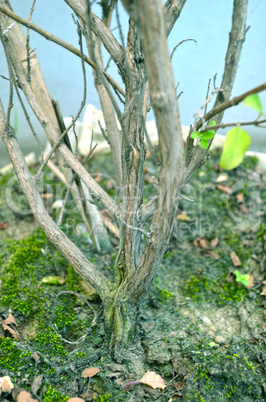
x: 144, y: 65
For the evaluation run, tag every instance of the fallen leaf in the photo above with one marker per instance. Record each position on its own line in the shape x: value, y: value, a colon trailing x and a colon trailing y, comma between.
x: 153, y: 380
x: 3, y: 225
x: 240, y: 197
x: 47, y: 196
x: 36, y: 357
x: 76, y: 400
x: 183, y: 217
x: 25, y: 396
x: 251, y: 281
x: 179, y: 385
x: 10, y: 320
x: 12, y: 331
x: 235, y: 260
x: 214, y: 242
x: 6, y: 384
x: 213, y: 255
x: 53, y: 280
x: 224, y: 189
x: 37, y: 382
x: 221, y: 177
x: 263, y: 293
x: 90, y: 372
x: 205, y: 244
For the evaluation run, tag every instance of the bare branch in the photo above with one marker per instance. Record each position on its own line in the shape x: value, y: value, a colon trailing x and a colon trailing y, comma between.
x: 150, y: 21
x: 226, y: 105
x: 172, y: 13
x: 100, y: 30
x: 58, y: 41
x: 80, y: 263
x: 52, y: 134
x: 198, y: 156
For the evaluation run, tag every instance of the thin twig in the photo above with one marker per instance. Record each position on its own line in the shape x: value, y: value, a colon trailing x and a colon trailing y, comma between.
x: 180, y: 43
x: 224, y: 125
x: 226, y: 105
x: 56, y: 145
x: 207, y: 94
x: 82, y: 338
x: 28, y: 118
x: 28, y: 43
x: 60, y: 42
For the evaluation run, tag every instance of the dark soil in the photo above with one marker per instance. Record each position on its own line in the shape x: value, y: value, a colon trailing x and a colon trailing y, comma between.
x: 200, y: 330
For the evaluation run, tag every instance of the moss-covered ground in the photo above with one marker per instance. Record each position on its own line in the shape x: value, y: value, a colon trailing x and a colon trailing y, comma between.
x: 202, y: 331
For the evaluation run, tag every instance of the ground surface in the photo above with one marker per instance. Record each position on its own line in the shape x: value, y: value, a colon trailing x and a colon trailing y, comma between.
x: 200, y: 330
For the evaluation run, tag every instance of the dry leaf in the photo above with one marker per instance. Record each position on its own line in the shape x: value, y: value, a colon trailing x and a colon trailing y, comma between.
x: 179, y: 385
x: 36, y: 357
x: 37, y: 382
x: 240, y: 197
x: 235, y: 260
x: 183, y: 217
x: 214, y: 242
x: 213, y: 255
x: 153, y: 380
x: 205, y: 244
x: 10, y: 320
x: 263, y: 293
x: 12, y: 331
x: 90, y: 372
x: 6, y: 384
x: 3, y: 225
x: 221, y: 177
x: 251, y: 281
x: 224, y: 189
x: 25, y: 396
x: 76, y: 400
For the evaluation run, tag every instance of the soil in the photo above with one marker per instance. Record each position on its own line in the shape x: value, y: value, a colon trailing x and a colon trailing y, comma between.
x: 202, y: 331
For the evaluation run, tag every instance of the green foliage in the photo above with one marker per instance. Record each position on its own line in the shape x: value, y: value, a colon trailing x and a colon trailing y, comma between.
x: 204, y: 137
x: 51, y: 395
x: 244, y: 279
x: 254, y: 102
x: 237, y: 142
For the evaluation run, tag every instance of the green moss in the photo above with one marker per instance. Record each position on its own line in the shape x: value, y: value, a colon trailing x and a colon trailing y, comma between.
x: 219, y: 290
x: 52, y: 395
x: 103, y: 398
x: 223, y: 377
x: 165, y: 294
x: 11, y: 357
x: 20, y: 262
x: 48, y: 342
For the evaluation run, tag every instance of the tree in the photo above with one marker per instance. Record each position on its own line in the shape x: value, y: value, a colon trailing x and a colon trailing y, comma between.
x: 145, y: 68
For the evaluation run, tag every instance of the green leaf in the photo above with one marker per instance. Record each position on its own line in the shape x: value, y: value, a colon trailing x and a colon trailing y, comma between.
x: 53, y: 280
x: 235, y: 146
x: 242, y: 278
x: 212, y: 123
x: 196, y: 134
x: 254, y: 102
x: 208, y: 135
x: 204, y: 144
